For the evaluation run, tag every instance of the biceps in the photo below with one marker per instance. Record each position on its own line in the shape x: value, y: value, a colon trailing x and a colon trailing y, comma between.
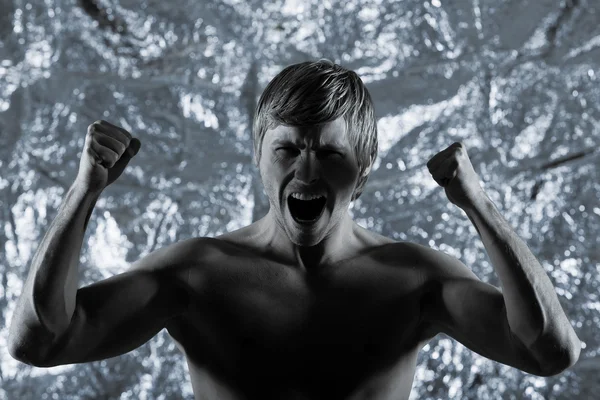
x: 115, y: 316
x: 473, y: 313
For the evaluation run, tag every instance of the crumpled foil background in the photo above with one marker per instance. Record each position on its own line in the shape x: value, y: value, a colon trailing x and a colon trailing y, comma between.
x: 516, y: 81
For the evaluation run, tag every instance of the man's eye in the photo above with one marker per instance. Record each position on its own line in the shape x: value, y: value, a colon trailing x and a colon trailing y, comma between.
x: 329, y: 153
x: 322, y: 153
x: 288, y: 150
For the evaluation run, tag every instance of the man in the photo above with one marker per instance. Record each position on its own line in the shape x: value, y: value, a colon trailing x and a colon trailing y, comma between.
x: 304, y: 303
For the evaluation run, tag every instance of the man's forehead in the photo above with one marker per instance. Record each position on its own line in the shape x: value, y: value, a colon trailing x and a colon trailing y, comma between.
x: 331, y: 133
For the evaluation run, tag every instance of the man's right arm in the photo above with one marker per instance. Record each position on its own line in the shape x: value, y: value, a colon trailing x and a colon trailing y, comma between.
x: 54, y: 322
x: 47, y: 302
x: 110, y: 317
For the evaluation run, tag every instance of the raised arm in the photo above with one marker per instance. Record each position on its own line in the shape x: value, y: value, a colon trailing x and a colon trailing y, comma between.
x: 54, y: 322
x: 116, y: 315
x: 524, y: 325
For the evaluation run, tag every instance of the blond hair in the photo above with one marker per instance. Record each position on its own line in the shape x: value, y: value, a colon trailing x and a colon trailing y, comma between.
x: 312, y: 93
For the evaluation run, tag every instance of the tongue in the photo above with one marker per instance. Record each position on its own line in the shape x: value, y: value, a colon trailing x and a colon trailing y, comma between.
x: 306, y: 210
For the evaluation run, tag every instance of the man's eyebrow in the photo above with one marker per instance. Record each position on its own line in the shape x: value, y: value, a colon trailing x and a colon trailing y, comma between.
x: 326, y: 145
x: 334, y: 144
x: 287, y: 141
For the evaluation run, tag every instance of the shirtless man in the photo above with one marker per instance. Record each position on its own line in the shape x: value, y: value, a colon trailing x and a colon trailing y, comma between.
x: 303, y: 303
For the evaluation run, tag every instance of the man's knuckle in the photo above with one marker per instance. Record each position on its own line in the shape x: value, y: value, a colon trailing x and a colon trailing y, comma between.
x: 110, y: 149
x: 96, y: 136
x: 110, y: 157
x: 121, y: 149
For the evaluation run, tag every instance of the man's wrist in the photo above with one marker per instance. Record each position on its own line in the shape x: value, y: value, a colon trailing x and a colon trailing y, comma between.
x: 478, y: 202
x: 81, y: 189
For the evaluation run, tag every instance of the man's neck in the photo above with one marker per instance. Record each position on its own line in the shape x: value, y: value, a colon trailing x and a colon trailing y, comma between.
x: 331, y: 249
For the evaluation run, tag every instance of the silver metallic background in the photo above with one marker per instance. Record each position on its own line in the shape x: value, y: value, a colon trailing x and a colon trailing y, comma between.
x: 516, y: 81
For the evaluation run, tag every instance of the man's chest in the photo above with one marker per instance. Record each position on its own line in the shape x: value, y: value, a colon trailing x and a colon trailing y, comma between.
x: 351, y: 319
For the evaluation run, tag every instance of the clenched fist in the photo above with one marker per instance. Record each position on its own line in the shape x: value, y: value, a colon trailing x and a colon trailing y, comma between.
x: 107, y: 151
x: 451, y: 168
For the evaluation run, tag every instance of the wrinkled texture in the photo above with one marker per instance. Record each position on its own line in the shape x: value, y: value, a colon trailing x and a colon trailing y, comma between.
x: 515, y: 81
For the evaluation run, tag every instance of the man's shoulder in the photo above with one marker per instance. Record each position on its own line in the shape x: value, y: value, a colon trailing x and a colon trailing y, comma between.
x: 179, y: 255
x: 436, y: 265
x: 400, y: 252
x: 431, y: 262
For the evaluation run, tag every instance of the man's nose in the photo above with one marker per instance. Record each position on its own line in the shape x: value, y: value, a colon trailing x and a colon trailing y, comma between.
x: 307, y: 167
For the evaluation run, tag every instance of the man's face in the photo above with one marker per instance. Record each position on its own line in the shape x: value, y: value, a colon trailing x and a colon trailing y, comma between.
x: 316, y: 159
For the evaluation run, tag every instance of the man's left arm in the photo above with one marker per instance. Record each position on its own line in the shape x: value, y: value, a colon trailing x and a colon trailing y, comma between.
x: 533, y: 310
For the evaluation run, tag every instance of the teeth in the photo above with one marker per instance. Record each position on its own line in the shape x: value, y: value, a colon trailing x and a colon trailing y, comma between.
x: 304, y: 196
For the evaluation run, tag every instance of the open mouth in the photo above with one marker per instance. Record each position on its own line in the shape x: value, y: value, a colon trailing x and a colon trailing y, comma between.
x: 306, y: 211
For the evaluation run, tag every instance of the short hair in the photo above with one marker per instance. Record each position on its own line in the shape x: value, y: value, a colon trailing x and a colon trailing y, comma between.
x: 311, y: 93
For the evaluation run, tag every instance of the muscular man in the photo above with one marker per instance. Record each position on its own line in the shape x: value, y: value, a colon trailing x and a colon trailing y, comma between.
x: 303, y: 303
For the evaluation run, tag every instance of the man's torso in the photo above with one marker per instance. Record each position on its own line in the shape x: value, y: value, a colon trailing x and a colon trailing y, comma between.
x: 260, y: 329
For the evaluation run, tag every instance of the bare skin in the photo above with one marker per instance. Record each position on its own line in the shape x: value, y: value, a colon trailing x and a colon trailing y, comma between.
x: 276, y: 310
